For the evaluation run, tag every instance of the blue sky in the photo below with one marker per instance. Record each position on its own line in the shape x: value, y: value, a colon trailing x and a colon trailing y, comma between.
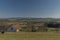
x: 29, y: 8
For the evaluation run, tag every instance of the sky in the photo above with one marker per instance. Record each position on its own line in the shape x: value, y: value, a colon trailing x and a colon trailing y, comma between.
x: 30, y: 8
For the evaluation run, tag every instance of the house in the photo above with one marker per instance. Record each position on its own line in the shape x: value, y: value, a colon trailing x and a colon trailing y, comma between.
x: 13, y: 28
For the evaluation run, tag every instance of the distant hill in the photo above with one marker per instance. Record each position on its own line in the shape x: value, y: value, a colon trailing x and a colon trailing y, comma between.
x: 30, y: 18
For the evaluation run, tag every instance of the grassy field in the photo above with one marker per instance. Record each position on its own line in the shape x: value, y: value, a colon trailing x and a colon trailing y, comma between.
x: 30, y: 36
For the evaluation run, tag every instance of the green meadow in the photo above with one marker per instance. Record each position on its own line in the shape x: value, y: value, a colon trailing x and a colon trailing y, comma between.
x: 30, y: 36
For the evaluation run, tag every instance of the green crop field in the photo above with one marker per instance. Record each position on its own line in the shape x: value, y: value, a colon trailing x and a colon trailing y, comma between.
x: 30, y: 36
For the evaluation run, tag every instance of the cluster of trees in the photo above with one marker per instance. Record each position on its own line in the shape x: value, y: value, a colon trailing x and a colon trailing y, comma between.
x: 44, y: 28
x: 32, y: 27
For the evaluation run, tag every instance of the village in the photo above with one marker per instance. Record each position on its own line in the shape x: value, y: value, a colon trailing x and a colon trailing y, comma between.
x: 29, y: 26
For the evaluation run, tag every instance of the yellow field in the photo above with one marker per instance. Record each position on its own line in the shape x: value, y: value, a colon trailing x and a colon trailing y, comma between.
x: 30, y: 36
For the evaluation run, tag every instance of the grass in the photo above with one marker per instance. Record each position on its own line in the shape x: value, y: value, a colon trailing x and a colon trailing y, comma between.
x: 30, y: 36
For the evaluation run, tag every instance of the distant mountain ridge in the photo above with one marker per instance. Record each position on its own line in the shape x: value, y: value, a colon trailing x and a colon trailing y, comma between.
x: 29, y: 18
